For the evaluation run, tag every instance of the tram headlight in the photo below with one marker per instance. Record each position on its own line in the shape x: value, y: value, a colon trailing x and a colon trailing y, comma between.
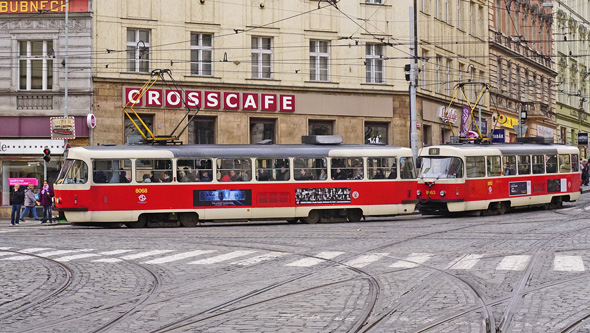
x: 442, y: 193
x: 419, y: 193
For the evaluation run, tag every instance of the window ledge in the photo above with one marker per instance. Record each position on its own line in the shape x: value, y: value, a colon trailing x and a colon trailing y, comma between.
x: 257, y: 79
x: 321, y: 82
x: 203, y: 77
x: 136, y: 73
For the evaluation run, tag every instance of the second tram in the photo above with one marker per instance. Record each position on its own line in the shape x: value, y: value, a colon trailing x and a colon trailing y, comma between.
x: 494, y: 178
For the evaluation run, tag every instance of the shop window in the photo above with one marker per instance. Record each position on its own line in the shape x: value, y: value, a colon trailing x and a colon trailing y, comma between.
x: 321, y: 127
x: 204, y: 130
x: 494, y: 166
x: 111, y: 171
x: 376, y: 133
x: 310, y: 168
x: 153, y: 171
x: 551, y: 163
x: 194, y: 170
x: 132, y: 135
x: 36, y: 65
x: 234, y: 170
x: 272, y: 169
x: 475, y: 166
x: 261, y: 130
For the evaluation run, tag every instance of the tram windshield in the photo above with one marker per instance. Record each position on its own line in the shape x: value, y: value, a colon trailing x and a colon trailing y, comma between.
x: 73, y: 172
x: 441, y: 167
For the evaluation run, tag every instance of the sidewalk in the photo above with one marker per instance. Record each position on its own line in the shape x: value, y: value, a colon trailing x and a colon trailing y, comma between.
x: 30, y: 222
x: 584, y: 189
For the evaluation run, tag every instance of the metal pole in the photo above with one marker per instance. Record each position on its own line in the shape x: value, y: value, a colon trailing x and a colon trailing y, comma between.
x: 66, y: 60
x: 413, y: 81
x: 519, y: 121
x: 44, y: 170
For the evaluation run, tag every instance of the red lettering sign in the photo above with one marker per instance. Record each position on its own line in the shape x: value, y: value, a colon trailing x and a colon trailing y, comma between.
x: 153, y: 97
x: 193, y: 98
x: 287, y: 103
x: 132, y: 96
x: 173, y: 99
x: 212, y: 99
x: 231, y: 101
x: 268, y: 102
x: 249, y: 101
x: 41, y: 6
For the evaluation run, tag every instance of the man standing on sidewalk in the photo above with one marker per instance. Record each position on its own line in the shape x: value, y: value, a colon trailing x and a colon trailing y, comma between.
x: 17, y: 199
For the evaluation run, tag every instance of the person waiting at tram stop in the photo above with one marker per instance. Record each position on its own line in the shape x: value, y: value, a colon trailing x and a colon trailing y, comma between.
x: 379, y: 174
x: 46, y: 199
x: 17, y: 200
x: 30, y: 202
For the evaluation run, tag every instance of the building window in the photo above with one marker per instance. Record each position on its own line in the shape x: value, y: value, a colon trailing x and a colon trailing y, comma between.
x: 204, y: 130
x: 447, y: 13
x: 471, y: 18
x: 499, y: 83
x: 261, y: 57
x: 138, y: 50
x: 262, y: 129
x: 376, y: 2
x: 459, y: 17
x: 461, y: 70
x: 201, y: 54
x: 448, y: 83
x: 498, y: 15
x: 376, y: 132
x: 132, y: 135
x: 437, y: 9
x: 319, y: 60
x: 374, y: 62
x: 36, y: 65
x: 321, y: 127
x: 482, y: 23
x: 424, y: 60
x: 438, y: 60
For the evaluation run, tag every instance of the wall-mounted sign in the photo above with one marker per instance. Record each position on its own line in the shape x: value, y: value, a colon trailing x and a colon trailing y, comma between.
x: 91, y: 120
x: 506, y: 121
x: 23, y: 181
x: 450, y: 116
x: 582, y: 139
x: 32, y: 146
x: 498, y: 136
x: 213, y: 100
x: 62, y: 128
x: 545, y: 132
x: 40, y: 6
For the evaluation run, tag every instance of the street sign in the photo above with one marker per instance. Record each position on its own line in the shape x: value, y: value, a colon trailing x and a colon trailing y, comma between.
x: 62, y: 128
x: 519, y: 128
x: 582, y: 139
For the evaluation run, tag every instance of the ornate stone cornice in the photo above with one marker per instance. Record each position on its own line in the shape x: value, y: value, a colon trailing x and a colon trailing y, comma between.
x: 75, y: 25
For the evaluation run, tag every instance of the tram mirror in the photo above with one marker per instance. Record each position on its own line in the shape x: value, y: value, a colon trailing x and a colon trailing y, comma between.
x: 418, y: 162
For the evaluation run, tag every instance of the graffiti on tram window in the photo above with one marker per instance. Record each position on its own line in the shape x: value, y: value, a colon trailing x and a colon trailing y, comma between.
x: 520, y: 188
x: 556, y: 185
x: 305, y: 196
x: 222, y: 198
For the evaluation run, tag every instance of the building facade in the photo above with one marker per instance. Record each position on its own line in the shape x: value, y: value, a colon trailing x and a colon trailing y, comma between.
x: 256, y: 73
x: 453, y: 51
x: 522, y: 67
x: 32, y: 84
x: 572, y: 43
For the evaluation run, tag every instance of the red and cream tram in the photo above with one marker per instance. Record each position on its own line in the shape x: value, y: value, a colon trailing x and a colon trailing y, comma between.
x: 185, y: 184
x: 471, y: 177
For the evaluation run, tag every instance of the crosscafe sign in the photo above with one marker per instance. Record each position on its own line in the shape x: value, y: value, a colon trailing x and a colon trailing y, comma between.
x: 211, y: 100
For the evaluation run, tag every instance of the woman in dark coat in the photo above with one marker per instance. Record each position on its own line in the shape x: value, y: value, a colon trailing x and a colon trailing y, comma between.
x: 45, y: 197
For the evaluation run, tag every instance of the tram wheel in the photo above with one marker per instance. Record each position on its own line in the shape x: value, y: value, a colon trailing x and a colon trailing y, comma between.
x: 556, y: 203
x: 189, y: 220
x: 313, y: 217
x: 354, y: 215
x: 502, y: 208
x: 141, y: 222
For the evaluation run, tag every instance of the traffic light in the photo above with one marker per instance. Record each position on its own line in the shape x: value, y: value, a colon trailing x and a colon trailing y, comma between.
x: 46, y: 153
x: 407, y: 69
x: 523, y: 116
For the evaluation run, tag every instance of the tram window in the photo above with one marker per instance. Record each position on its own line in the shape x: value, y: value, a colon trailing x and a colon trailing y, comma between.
x: 406, y: 167
x: 551, y: 163
x: 524, y: 164
x: 441, y: 167
x: 575, y: 163
x: 269, y: 169
x: 73, y: 172
x: 382, y: 167
x: 509, y: 165
x: 194, y: 170
x: 475, y: 166
x: 153, y: 171
x: 347, y: 168
x: 494, y: 166
x: 234, y: 170
x: 538, y: 164
x: 564, y: 163
x: 310, y: 168
x: 111, y: 171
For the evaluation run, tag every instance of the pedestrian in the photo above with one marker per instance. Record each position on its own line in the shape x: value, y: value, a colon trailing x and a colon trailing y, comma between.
x: 30, y: 203
x: 46, y: 199
x: 17, y: 199
x: 585, y: 172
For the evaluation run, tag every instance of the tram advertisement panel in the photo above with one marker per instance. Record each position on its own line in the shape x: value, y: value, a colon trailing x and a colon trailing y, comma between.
x: 520, y: 188
x: 556, y: 185
x: 305, y: 196
x: 222, y: 198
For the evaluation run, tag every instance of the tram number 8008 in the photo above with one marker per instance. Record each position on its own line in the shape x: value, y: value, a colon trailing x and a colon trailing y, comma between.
x: 141, y: 190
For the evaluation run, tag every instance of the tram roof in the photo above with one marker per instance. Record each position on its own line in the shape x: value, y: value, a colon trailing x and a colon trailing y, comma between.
x: 511, y: 148
x: 256, y: 151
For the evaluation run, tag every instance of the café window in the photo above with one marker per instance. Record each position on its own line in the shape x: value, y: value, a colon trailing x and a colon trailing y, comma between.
x: 376, y: 133
x: 320, y: 127
x: 262, y: 129
x: 132, y: 135
x: 111, y: 171
x: 204, y: 130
